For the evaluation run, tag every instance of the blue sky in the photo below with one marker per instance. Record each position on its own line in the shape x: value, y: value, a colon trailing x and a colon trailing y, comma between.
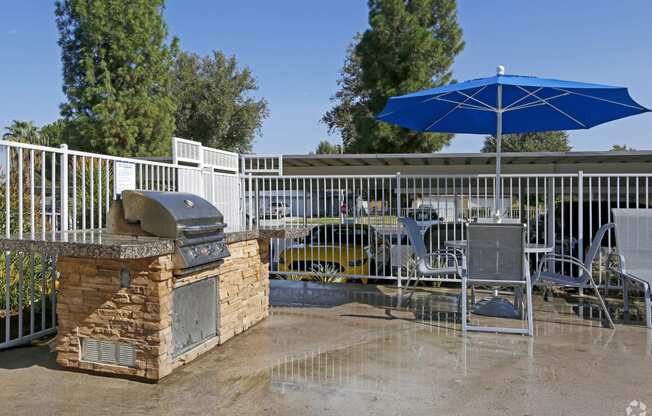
x: 296, y: 48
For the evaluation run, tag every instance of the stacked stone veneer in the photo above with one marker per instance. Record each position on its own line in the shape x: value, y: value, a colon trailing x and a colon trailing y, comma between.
x: 91, y: 303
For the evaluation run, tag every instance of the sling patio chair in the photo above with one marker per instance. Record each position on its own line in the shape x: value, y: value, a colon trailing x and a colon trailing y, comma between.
x: 496, y: 257
x: 634, y: 246
x: 549, y: 263
x: 438, y: 263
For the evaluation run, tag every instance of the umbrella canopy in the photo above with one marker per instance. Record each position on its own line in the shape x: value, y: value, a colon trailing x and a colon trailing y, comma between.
x: 505, y: 104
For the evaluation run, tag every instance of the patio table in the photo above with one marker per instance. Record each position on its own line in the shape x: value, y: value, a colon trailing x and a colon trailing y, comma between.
x: 530, y: 248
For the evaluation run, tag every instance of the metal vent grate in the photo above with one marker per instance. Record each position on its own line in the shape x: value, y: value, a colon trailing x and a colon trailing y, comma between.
x: 107, y: 352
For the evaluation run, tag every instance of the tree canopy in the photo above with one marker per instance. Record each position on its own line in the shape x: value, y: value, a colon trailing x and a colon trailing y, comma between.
x: 622, y: 148
x: 214, y: 99
x: 116, y: 76
x: 327, y: 148
x: 410, y: 45
x: 550, y: 141
x: 27, y: 132
x: 22, y: 131
x: 53, y: 134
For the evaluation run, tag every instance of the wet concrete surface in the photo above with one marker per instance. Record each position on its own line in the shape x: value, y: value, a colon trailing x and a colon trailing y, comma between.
x: 365, y: 354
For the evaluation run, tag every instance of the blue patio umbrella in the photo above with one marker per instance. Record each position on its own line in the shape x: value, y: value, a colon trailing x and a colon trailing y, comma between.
x: 505, y: 104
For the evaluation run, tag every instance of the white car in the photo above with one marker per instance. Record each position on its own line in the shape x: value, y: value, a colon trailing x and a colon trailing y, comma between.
x: 276, y: 210
x: 424, y: 216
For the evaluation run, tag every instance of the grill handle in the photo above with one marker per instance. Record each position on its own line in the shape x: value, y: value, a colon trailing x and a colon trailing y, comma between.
x: 200, y: 229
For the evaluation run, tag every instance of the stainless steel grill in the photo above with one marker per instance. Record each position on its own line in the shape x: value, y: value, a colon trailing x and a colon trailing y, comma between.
x: 194, y: 223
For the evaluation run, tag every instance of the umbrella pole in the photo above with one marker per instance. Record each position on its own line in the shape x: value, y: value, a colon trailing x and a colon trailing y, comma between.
x: 499, y: 133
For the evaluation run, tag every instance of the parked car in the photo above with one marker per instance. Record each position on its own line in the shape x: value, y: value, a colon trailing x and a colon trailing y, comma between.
x: 425, y: 216
x: 333, y: 250
x: 276, y: 210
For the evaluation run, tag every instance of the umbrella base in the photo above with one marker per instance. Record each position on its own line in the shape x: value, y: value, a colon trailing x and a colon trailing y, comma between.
x: 496, y: 307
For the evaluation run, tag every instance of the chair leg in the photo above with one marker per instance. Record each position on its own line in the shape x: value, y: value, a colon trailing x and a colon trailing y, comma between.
x: 625, y: 295
x: 463, y: 313
x: 414, y: 287
x: 530, y: 308
x: 604, y: 305
x: 544, y: 294
x: 648, y: 305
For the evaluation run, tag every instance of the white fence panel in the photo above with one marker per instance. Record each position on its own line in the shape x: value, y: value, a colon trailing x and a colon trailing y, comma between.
x: 223, y: 191
x: 191, y: 180
x: 45, y: 190
x: 186, y: 151
x: 221, y: 160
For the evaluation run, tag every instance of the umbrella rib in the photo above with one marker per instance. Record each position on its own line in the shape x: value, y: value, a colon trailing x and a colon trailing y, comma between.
x: 457, y: 103
x: 601, y: 99
x: 464, y: 103
x: 537, y: 103
x: 472, y: 97
x: 560, y: 111
x: 454, y: 108
x: 529, y: 94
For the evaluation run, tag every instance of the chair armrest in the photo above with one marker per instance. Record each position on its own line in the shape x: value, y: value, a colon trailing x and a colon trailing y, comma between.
x: 563, y: 258
x: 623, y: 273
x: 449, y: 254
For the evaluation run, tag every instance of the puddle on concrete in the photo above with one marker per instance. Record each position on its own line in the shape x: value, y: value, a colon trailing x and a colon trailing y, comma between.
x: 365, y: 354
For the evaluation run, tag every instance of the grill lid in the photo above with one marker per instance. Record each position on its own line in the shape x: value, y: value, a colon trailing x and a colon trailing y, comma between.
x: 171, y: 214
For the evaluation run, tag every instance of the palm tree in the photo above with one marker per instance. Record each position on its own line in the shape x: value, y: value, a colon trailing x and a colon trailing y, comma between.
x: 22, y: 131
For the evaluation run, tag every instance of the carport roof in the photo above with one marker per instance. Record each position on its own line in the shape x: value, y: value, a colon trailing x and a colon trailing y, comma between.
x: 443, y: 159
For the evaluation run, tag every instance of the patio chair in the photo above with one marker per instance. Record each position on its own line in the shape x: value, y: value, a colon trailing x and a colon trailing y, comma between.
x: 496, y: 256
x: 437, y: 263
x: 585, y: 278
x: 634, y: 246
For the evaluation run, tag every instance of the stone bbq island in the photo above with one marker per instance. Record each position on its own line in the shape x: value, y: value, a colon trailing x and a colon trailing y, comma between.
x: 124, y: 307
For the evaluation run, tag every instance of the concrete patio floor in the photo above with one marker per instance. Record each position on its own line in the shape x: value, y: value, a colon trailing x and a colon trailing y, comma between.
x: 358, y: 353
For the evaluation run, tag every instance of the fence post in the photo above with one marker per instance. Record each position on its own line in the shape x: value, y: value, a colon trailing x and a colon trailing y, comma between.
x: 580, y: 219
x: 550, y: 204
x: 64, y: 187
x: 398, y: 226
x: 174, y: 151
x: 305, y: 205
x: 250, y: 224
x: 7, y: 276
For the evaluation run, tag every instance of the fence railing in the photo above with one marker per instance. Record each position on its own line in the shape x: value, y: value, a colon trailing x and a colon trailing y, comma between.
x: 46, y: 190
x: 352, y: 221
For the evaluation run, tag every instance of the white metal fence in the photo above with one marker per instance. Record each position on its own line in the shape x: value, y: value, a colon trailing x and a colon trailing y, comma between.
x: 350, y: 222
x: 46, y: 190
x: 353, y: 232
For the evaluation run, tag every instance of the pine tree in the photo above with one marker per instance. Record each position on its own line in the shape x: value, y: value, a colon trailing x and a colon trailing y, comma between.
x: 116, y: 76
x: 410, y: 45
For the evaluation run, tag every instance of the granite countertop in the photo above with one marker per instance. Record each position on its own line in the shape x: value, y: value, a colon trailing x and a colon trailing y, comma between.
x: 101, y: 244
x: 267, y: 233
x: 92, y: 243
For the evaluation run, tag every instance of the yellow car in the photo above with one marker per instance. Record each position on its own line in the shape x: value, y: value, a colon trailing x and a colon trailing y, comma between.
x: 333, y: 252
